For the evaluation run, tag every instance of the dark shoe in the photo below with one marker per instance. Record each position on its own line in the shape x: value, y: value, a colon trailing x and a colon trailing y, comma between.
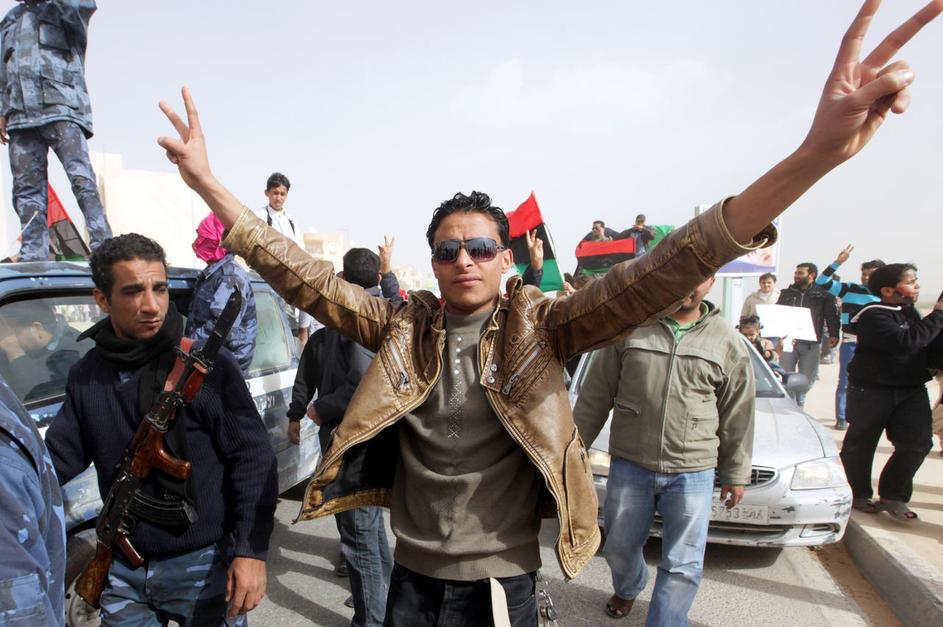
x: 349, y: 602
x: 865, y: 505
x: 897, y: 509
x: 841, y: 425
x: 341, y: 569
x: 617, y: 607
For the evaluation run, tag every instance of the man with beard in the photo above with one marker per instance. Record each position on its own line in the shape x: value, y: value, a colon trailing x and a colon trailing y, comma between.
x: 681, y: 391
x: 805, y: 354
x: 214, y: 556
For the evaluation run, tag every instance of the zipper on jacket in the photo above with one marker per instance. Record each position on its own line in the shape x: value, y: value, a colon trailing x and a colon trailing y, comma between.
x: 664, y: 400
x: 520, y: 370
x: 400, y: 364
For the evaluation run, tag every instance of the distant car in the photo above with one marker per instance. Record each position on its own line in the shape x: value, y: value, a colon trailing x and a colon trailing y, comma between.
x: 67, y: 289
x: 798, y: 494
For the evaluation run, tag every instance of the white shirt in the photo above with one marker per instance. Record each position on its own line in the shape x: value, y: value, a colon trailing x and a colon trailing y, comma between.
x: 287, y: 226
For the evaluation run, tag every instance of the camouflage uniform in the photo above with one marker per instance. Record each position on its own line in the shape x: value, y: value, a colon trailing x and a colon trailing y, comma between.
x: 46, y: 105
x: 32, y: 532
x: 210, y: 293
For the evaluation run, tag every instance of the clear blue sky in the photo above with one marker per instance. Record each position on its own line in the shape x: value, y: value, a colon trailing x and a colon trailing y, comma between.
x: 379, y: 111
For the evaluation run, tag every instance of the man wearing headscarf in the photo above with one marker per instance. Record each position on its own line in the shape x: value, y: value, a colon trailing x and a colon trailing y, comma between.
x: 213, y: 287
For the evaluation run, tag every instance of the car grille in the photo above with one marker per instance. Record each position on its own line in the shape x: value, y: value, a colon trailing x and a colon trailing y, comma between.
x: 758, y: 476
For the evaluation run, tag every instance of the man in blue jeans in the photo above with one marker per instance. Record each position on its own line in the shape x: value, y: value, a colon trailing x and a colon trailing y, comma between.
x: 681, y: 392
x: 853, y: 297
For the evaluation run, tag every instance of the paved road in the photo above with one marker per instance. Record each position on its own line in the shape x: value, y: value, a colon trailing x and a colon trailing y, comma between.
x: 742, y: 586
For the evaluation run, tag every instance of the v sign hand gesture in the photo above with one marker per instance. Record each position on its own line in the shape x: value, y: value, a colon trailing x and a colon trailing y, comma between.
x: 859, y: 94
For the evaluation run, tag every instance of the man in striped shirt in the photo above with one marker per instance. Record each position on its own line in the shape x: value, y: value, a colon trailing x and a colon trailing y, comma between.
x: 853, y: 297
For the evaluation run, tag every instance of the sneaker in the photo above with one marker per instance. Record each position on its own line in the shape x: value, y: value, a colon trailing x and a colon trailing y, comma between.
x: 341, y: 569
x: 349, y: 602
x: 841, y: 425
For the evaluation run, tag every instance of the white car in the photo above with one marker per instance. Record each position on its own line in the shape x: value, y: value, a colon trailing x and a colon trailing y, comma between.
x: 798, y: 494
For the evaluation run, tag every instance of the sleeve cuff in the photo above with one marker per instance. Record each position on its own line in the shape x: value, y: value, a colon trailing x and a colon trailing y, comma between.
x: 716, y: 246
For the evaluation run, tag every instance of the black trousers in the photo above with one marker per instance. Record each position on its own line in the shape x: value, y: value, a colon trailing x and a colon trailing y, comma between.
x: 419, y: 601
x: 905, y: 414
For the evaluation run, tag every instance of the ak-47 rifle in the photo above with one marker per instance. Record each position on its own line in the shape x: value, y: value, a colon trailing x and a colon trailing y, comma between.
x: 126, y: 503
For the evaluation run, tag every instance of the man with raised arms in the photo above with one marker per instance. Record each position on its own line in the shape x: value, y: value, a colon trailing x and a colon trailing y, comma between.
x: 461, y: 426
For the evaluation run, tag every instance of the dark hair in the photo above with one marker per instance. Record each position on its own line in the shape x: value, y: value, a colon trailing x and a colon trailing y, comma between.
x: 873, y: 264
x: 768, y: 275
x: 26, y: 312
x: 277, y: 179
x: 640, y: 217
x: 361, y: 267
x: 750, y: 321
x: 888, y: 275
x: 122, y: 248
x: 600, y: 223
x: 478, y: 202
x: 811, y: 267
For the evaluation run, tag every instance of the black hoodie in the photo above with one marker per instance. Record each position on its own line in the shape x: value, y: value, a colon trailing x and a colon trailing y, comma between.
x: 893, y: 346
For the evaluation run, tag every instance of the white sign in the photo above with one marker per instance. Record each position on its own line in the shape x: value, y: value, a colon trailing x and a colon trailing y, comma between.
x: 785, y: 321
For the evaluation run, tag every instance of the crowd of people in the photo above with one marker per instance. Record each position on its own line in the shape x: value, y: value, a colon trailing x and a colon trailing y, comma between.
x: 450, y: 409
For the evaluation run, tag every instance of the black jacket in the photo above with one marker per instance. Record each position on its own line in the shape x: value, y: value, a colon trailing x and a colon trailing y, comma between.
x: 822, y: 305
x: 893, y: 346
x: 332, y: 365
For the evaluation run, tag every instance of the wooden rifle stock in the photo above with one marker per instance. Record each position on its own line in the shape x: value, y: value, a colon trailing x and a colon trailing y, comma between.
x: 91, y: 582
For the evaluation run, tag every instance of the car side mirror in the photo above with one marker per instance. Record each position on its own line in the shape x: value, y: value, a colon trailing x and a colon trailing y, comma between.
x: 796, y: 382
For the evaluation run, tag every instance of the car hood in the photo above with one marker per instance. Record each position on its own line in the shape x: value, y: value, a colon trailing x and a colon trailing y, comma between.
x: 783, y: 435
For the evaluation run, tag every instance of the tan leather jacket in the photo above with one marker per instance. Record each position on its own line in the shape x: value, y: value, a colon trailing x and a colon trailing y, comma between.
x: 522, y: 352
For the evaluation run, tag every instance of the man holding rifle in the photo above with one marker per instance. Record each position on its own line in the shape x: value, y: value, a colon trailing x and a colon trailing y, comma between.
x: 203, y: 539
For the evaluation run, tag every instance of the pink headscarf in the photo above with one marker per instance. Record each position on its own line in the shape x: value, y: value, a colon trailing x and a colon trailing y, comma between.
x: 208, y: 234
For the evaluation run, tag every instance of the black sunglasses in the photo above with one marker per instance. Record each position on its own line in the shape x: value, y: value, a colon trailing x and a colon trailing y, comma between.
x: 478, y: 248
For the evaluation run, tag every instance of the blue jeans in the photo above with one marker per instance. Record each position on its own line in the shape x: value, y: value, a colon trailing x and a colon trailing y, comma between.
x: 367, y: 552
x: 189, y: 589
x: 633, y: 495
x: 846, y: 352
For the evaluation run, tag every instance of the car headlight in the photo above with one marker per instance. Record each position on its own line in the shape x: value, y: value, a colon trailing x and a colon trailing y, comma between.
x: 819, y: 473
x: 600, y: 462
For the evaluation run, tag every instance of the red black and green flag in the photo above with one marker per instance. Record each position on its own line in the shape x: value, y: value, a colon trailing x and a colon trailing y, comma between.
x: 524, y: 219
x: 65, y: 243
x: 598, y: 257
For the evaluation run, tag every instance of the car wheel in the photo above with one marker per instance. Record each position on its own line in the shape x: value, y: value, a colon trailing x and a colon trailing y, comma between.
x: 79, y: 553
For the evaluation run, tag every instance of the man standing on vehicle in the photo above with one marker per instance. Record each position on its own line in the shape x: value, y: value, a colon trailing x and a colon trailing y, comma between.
x: 191, y: 571
x: 44, y: 104
x: 484, y: 435
x: 681, y: 392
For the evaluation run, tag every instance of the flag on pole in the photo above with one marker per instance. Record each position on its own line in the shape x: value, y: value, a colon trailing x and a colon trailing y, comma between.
x: 65, y: 243
x: 524, y: 219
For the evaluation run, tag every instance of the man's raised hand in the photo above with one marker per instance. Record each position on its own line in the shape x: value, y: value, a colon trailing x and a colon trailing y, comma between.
x: 188, y: 151
x: 845, y: 254
x: 386, y: 254
x: 535, y: 246
x: 859, y: 94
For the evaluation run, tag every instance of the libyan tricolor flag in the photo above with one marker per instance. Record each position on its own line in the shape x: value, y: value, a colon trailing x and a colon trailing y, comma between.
x: 65, y: 243
x: 524, y: 219
x: 596, y: 258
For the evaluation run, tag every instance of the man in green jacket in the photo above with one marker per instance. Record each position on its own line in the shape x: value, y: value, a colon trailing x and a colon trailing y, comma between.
x: 681, y: 391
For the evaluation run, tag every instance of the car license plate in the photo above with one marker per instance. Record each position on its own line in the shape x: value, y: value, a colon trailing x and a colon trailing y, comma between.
x: 747, y: 514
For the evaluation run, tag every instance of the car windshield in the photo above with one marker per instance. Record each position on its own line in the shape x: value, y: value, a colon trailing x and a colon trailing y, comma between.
x: 39, y: 343
x: 766, y: 384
